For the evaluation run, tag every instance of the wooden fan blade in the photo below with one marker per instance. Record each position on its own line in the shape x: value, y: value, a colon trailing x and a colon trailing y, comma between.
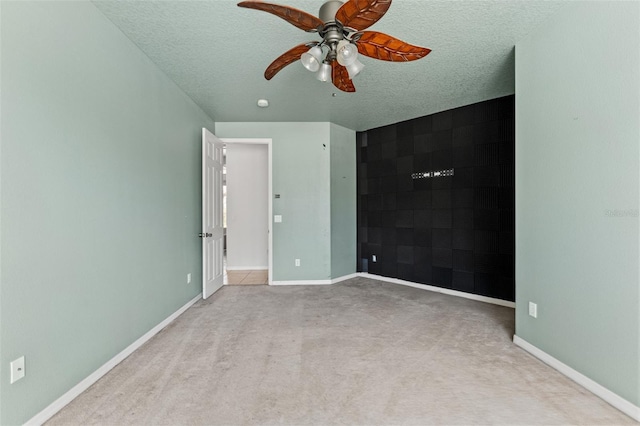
x: 297, y: 17
x: 340, y: 78
x: 361, y: 14
x: 386, y: 48
x: 287, y: 58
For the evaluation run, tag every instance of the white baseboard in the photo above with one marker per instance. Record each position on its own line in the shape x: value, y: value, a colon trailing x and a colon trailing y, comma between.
x: 435, y: 289
x: 65, y: 399
x: 615, y: 400
x: 247, y: 268
x: 315, y: 282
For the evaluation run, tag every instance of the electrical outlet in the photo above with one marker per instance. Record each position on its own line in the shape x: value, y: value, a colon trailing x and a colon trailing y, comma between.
x: 17, y: 369
x: 374, y: 258
x: 189, y: 278
x: 297, y: 262
x: 533, y: 309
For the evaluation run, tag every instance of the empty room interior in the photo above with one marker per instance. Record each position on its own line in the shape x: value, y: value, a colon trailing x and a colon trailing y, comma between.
x: 432, y: 210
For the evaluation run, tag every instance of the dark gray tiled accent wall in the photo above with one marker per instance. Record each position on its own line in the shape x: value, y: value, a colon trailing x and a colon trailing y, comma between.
x: 455, y: 232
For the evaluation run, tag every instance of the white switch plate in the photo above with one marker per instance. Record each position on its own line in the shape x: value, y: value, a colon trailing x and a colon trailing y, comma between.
x: 374, y: 258
x: 277, y: 218
x: 189, y: 278
x: 297, y: 262
x: 533, y: 309
x: 17, y: 369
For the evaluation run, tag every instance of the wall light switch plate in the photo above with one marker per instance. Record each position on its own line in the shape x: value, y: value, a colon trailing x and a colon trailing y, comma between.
x: 374, y: 258
x: 189, y: 278
x: 297, y: 262
x: 17, y: 369
x: 533, y: 309
x: 277, y: 218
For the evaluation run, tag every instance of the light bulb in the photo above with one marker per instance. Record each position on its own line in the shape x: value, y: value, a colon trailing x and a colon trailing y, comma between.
x: 324, y: 74
x: 312, y: 59
x: 347, y: 53
x: 354, y: 68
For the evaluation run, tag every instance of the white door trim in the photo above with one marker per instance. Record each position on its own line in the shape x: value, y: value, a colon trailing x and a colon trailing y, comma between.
x: 268, y: 142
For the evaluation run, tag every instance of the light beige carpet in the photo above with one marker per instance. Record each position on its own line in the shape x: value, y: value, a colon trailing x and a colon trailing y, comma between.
x: 362, y: 352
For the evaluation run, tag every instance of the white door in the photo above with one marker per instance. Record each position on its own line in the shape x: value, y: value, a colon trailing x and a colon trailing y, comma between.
x: 212, y: 231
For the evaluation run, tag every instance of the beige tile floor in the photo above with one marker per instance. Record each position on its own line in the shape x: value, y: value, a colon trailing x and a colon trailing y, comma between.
x: 258, y: 277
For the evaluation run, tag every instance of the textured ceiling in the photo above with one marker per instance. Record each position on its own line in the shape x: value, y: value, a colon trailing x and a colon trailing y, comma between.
x: 217, y: 53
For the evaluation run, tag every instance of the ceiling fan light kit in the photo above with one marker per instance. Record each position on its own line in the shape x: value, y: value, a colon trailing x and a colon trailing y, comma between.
x: 340, y: 25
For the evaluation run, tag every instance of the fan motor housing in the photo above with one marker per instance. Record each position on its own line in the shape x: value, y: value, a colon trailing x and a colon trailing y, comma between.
x: 328, y: 10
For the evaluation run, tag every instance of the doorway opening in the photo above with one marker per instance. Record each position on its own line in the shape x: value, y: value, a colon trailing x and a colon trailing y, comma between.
x: 247, y: 195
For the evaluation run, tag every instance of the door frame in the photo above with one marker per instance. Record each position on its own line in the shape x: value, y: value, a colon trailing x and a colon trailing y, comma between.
x: 268, y: 142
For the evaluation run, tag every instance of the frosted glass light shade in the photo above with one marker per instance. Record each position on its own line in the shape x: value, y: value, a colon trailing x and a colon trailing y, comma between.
x: 347, y: 53
x: 312, y: 59
x: 324, y: 74
x: 354, y: 68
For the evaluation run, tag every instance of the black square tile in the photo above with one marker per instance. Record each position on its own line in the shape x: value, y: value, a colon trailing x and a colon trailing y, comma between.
x: 422, y: 184
x: 463, y: 157
x: 442, y: 140
x: 389, y: 236
x: 463, y: 136
x: 362, y: 170
x: 405, y: 183
x: 486, y: 176
x: 441, y: 277
x: 404, y: 219
x: 374, y: 235
x: 462, y: 281
x: 422, y: 237
x: 389, y: 201
x: 389, y: 254
x: 388, y: 218
x: 422, y: 273
x: 363, y: 187
x: 405, y: 254
x: 422, y: 219
x: 485, y: 284
x: 421, y: 200
x: 405, y: 272
x: 441, y: 238
x: 487, y: 198
x: 462, y: 239
x: 389, y: 150
x: 422, y: 163
x: 374, y: 218
x: 405, y: 146
x: 488, y: 220
x: 464, y: 116
x: 442, y: 120
x: 374, y: 202
x: 441, y: 199
x: 404, y: 200
x: 507, y: 243
x: 487, y: 263
x: 405, y: 236
x: 463, y: 219
x: 422, y: 125
x: 388, y: 184
x: 442, y: 258
x: 441, y: 218
x: 442, y: 160
x: 486, y: 241
x: 463, y: 260
x: 404, y: 165
x: 487, y: 154
x: 363, y: 234
x: 374, y: 186
x: 374, y: 153
x: 422, y: 255
x: 462, y: 198
x: 389, y: 269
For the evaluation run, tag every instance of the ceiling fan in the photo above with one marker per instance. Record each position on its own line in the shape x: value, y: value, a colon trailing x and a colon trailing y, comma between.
x: 341, y: 25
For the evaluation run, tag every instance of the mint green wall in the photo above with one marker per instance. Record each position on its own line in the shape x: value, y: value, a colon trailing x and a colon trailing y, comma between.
x: 577, y: 161
x: 343, y: 201
x: 100, y: 196
x: 301, y: 175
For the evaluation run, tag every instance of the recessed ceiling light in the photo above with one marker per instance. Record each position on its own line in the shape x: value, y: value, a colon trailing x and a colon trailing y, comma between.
x: 263, y: 103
